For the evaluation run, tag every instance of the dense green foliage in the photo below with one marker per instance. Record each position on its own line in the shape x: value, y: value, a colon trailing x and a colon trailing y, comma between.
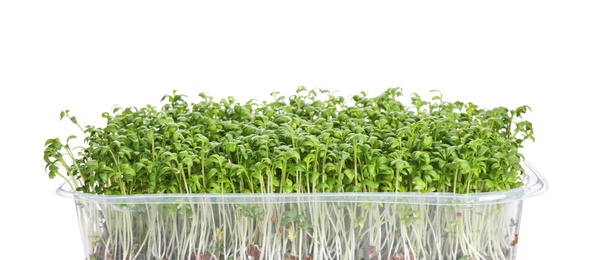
x: 313, y: 141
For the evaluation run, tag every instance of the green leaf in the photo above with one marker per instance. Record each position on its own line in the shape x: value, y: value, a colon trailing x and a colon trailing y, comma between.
x: 489, y: 183
x: 315, y: 177
x: 420, y: 185
x: 349, y: 175
x: 322, y: 186
x: 371, y: 184
x: 56, y: 144
x: 427, y: 141
x: 426, y: 168
x: 187, y: 161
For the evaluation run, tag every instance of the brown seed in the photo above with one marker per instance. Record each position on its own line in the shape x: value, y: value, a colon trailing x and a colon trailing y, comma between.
x: 515, y: 241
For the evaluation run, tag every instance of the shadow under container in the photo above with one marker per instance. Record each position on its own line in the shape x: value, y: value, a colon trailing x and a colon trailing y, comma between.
x: 380, y: 226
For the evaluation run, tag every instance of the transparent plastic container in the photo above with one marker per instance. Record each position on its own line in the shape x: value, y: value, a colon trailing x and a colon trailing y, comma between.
x: 393, y: 226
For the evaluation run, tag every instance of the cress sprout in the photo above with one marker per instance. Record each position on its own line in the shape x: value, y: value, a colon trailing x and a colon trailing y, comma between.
x: 311, y: 142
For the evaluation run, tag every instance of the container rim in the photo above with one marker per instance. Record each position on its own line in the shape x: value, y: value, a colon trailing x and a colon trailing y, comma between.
x: 534, y: 184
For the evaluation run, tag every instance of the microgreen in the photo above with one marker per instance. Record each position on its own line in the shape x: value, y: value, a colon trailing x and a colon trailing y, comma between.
x: 313, y: 141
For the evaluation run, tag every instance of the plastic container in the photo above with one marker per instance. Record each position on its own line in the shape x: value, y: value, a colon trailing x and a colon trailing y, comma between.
x: 393, y: 226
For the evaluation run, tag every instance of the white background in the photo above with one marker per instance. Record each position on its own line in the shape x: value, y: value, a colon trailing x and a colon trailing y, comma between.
x: 87, y: 56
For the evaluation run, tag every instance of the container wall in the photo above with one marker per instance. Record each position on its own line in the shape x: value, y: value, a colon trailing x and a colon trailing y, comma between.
x: 299, y: 230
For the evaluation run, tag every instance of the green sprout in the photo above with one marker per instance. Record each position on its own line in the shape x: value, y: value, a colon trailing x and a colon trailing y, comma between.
x: 311, y: 142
